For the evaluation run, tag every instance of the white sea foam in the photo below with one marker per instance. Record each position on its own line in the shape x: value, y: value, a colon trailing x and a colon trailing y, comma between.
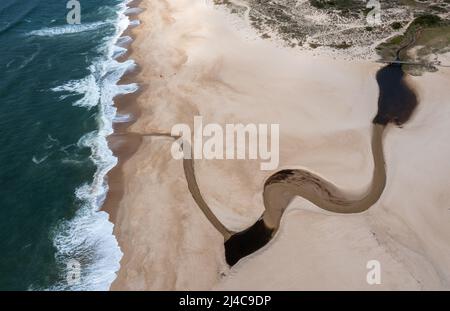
x: 133, y: 11
x: 119, y: 51
x: 88, y: 237
x: 135, y: 22
x: 87, y: 87
x: 91, y: 87
x: 67, y: 29
x: 124, y: 41
x: 122, y: 118
x: 39, y: 160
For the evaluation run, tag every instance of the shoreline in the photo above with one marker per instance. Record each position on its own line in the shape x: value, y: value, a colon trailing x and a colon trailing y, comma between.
x: 124, y: 148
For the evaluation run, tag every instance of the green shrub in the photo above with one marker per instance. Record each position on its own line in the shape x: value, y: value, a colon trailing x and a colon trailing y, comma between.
x: 396, y: 25
x: 427, y: 20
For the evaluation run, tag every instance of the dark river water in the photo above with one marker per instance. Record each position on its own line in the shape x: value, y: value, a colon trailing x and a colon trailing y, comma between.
x: 397, y: 101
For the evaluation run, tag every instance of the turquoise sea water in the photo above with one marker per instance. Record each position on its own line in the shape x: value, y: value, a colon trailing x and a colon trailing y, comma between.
x: 56, y: 91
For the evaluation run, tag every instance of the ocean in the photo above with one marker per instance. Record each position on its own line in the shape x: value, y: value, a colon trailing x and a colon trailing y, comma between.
x: 56, y: 110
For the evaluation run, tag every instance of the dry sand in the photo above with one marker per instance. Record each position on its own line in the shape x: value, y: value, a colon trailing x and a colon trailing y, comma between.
x: 197, y: 60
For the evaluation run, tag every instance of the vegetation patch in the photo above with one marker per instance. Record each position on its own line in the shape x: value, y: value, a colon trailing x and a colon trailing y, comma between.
x: 428, y: 34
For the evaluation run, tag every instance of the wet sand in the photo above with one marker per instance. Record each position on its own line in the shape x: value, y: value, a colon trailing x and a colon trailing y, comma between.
x: 122, y: 144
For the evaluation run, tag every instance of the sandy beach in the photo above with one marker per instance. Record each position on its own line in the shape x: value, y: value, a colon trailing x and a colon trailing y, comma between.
x: 197, y: 59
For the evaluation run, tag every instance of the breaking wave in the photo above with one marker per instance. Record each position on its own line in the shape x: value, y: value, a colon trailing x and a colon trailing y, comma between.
x: 88, y: 237
x: 67, y: 29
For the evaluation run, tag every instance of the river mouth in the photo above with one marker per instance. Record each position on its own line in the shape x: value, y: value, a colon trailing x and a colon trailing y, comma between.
x: 396, y: 104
